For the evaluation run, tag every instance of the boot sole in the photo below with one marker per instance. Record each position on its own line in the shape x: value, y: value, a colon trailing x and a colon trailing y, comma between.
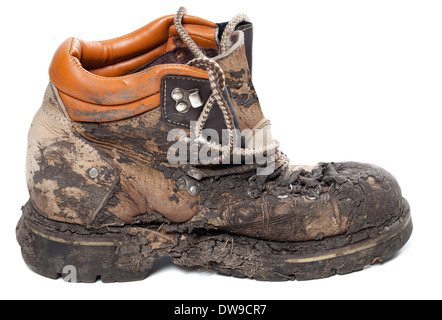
x: 121, y: 254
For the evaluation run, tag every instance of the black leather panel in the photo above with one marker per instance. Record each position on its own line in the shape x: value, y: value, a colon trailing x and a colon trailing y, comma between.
x: 182, y: 120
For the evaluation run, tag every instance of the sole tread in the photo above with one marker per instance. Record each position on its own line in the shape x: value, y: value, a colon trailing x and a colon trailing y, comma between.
x: 128, y: 254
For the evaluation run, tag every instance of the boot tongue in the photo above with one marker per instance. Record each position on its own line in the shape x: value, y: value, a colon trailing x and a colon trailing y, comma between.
x: 235, y: 64
x: 231, y: 74
x: 239, y: 83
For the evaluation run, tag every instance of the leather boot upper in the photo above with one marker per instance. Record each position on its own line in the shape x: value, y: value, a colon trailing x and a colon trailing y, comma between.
x: 99, y: 146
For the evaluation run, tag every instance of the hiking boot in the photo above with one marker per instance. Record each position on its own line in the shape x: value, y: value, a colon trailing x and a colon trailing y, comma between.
x: 154, y: 144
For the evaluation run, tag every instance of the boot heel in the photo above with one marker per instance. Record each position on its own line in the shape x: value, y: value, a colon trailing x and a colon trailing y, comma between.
x: 84, y: 258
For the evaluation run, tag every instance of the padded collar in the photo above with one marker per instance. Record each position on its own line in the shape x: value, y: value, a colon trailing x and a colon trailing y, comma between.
x: 94, y: 80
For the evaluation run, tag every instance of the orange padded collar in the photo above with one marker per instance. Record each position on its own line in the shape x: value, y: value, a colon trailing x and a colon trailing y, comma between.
x: 93, y: 76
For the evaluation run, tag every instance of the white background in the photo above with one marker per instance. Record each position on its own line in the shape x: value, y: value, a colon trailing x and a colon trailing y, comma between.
x: 340, y: 80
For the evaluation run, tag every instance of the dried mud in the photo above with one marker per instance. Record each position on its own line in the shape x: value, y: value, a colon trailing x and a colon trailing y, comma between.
x: 130, y: 252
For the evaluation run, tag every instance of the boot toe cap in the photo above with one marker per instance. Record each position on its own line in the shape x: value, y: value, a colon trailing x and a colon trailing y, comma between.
x: 370, y: 197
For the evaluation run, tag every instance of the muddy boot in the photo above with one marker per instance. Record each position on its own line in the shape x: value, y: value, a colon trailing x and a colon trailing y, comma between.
x: 154, y: 144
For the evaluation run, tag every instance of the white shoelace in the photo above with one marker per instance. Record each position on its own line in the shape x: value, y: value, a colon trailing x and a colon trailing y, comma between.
x: 218, y: 84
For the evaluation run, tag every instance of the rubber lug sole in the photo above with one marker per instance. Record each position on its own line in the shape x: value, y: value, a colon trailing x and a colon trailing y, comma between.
x: 121, y: 254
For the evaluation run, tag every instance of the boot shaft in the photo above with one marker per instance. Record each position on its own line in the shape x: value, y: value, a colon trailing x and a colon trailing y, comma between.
x: 98, y: 146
